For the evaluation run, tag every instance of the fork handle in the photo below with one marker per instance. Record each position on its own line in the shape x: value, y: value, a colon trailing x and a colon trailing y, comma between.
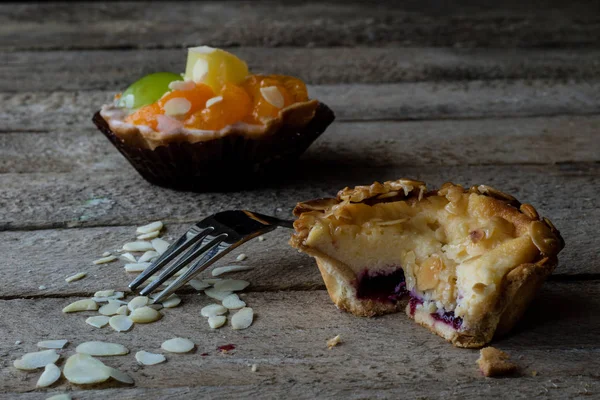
x: 269, y: 220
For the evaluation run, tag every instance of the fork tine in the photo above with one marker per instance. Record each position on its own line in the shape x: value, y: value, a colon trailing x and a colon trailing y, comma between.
x: 172, y: 252
x: 213, y: 255
x: 195, y: 251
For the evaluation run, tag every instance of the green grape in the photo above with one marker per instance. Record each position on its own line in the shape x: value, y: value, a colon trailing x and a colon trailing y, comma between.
x: 147, y: 90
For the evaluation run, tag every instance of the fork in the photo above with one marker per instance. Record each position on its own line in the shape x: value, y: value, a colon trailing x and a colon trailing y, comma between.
x: 211, y: 238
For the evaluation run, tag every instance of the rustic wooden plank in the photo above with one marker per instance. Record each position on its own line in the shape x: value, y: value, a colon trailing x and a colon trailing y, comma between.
x: 507, y: 141
x: 101, y: 70
x: 35, y: 111
x: 174, y: 24
x: 287, y: 341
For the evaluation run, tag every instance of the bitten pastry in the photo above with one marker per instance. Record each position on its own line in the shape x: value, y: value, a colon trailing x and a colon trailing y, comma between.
x: 215, y: 124
x: 464, y: 263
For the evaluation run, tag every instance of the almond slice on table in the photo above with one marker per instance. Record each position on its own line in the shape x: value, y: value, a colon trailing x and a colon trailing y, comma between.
x: 76, y: 277
x: 147, y: 256
x: 137, y: 302
x: 81, y: 305
x: 104, y: 260
x: 212, y: 281
x: 147, y: 236
x: 151, y: 227
x: 145, y: 315
x: 110, y: 308
x: 115, y: 296
x: 50, y: 375
x: 53, y: 344
x: 146, y: 358
x: 120, y: 323
x: 172, y: 301
x: 104, y: 293
x: 35, y: 360
x: 160, y: 245
x: 230, y: 268
x: 138, y: 246
x: 136, y: 267
x: 231, y: 285
x: 217, y: 321
x: 212, y: 310
x: 129, y: 257
x: 233, y: 302
x: 101, y: 349
x: 198, y: 285
x: 241, y: 257
x: 177, y: 345
x: 217, y: 294
x: 242, y: 319
x: 98, y: 321
x: 123, y: 310
x: 120, y: 376
x: 83, y: 369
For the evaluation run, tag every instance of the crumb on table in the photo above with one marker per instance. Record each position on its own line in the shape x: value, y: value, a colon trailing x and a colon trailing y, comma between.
x: 331, y: 343
x: 494, y: 362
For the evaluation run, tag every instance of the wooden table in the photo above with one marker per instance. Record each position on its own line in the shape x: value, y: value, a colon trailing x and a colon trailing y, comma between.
x: 508, y: 96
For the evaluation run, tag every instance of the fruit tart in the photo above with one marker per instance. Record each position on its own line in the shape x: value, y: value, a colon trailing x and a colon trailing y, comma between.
x: 215, y: 126
x: 464, y: 263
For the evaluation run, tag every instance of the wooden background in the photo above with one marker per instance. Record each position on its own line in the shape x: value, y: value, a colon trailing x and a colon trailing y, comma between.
x: 507, y: 95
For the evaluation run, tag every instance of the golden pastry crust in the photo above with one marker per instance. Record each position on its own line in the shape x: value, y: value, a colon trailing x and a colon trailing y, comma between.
x: 523, y: 264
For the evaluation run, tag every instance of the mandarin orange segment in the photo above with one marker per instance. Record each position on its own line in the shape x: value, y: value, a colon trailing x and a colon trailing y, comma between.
x: 196, y: 96
x: 145, y: 115
x: 234, y: 107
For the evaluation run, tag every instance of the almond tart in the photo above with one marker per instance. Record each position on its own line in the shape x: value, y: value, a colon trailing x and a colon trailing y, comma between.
x: 464, y: 263
x: 215, y: 126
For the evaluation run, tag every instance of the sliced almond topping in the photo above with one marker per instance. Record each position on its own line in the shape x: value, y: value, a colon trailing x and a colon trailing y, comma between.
x: 171, y: 301
x: 147, y: 236
x: 98, y: 321
x: 123, y: 310
x: 137, y: 267
x: 213, y: 100
x: 217, y: 294
x: 129, y: 257
x: 105, y: 260
x: 129, y: 101
x: 35, y: 360
x: 145, y: 358
x: 231, y: 285
x: 49, y: 376
x: 202, y: 49
x: 177, y: 106
x: 102, y: 349
x: 83, y: 369
x: 120, y: 323
x: 200, y: 70
x: 110, y: 308
x: 160, y: 245
x: 138, y: 246
x: 147, y: 256
x: 217, y: 321
x: 331, y: 343
x: 273, y: 96
x: 81, y: 305
x: 198, y: 285
x: 241, y: 257
x: 120, y: 376
x: 233, y: 302
x: 182, y: 85
x: 145, y: 315
x: 242, y: 319
x: 177, y: 345
x: 151, y: 227
x: 104, y: 293
x: 213, y: 310
x: 137, y: 302
x: 230, y: 268
x: 52, y: 344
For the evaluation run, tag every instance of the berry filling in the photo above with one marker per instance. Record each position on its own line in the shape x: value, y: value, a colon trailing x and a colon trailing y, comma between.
x: 389, y: 287
x: 441, y: 315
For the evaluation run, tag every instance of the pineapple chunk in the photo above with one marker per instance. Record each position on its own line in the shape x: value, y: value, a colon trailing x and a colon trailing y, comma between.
x: 214, y: 67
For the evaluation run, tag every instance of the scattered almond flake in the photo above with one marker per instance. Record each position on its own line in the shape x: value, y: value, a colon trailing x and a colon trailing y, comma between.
x: 146, y: 358
x: 254, y: 367
x: 42, y: 287
x: 49, y: 376
x: 230, y: 268
x: 129, y: 257
x: 83, y: 369
x: 200, y: 70
x: 150, y: 235
x: 123, y: 310
x: 231, y: 285
x: 35, y: 360
x: 261, y: 239
x: 53, y: 344
x: 172, y: 301
x: 104, y: 293
x: 273, y: 96
x: 177, y: 106
x: 160, y: 245
x: 98, y: 321
x: 242, y: 319
x: 96, y: 348
x: 137, y: 302
x: 156, y: 306
x: 145, y: 315
x: 120, y: 323
x: 62, y: 396
x: 241, y: 257
x: 233, y: 302
x: 182, y: 85
x: 212, y: 281
x: 81, y: 305
x: 151, y: 227
x: 110, y: 308
x: 217, y: 321
x: 18, y: 342
x: 213, y: 100
x: 120, y: 376
x: 216, y: 294
x: 107, y: 299
x: 213, y: 310
x: 331, y: 343
x: 76, y: 277
x: 198, y: 285
x: 104, y: 260
x: 138, y: 246
x: 147, y: 256
x: 177, y: 345
x: 106, y: 254
x: 136, y: 267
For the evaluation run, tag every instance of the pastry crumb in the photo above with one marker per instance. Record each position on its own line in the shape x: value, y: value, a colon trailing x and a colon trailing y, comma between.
x: 331, y: 343
x: 494, y: 362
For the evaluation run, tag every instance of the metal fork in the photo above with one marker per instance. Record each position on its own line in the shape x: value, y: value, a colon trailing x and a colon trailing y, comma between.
x: 210, y: 238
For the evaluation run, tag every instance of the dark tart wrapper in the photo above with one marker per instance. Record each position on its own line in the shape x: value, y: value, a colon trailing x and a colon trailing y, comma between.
x: 228, y: 163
